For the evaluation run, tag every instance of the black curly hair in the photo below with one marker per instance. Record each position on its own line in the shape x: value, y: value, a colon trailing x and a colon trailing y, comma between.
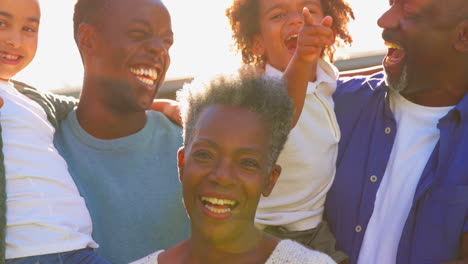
x: 243, y: 17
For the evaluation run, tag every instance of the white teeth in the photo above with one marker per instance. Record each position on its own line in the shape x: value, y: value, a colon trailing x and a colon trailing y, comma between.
x: 9, y: 56
x: 145, y: 80
x: 292, y: 36
x: 218, y: 211
x: 392, y: 45
x: 149, y: 75
x: 217, y: 201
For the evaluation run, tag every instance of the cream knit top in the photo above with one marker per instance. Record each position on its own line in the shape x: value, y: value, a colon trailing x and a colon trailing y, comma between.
x: 286, y: 252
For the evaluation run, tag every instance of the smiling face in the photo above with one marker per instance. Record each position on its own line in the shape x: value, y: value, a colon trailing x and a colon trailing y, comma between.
x: 280, y: 22
x: 129, y: 55
x: 19, y: 25
x: 420, y: 35
x: 224, y: 170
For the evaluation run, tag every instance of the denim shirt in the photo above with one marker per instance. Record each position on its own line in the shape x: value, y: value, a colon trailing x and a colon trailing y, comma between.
x: 439, y: 213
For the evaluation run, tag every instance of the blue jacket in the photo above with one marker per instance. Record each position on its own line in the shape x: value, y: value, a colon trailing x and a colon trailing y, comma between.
x: 439, y: 213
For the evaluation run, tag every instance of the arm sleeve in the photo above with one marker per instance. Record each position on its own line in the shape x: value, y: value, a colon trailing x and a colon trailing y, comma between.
x: 56, y: 106
x: 62, y: 105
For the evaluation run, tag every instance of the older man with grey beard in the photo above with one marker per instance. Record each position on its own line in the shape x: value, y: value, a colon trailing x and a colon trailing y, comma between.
x: 401, y: 189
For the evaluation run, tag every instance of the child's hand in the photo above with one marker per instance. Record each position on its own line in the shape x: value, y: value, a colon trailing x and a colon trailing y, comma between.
x: 170, y: 108
x: 313, y: 38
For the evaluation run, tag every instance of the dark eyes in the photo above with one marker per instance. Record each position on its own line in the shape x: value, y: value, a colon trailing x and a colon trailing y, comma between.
x: 281, y: 15
x: 277, y: 16
x: 202, y: 155
x: 138, y: 34
x: 143, y: 34
x: 250, y: 163
x: 206, y: 156
x: 30, y: 29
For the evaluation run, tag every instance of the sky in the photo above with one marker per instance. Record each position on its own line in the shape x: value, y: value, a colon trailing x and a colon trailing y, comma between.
x: 202, y: 41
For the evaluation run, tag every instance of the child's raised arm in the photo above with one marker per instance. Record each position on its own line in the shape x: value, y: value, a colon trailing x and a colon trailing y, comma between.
x: 302, y: 68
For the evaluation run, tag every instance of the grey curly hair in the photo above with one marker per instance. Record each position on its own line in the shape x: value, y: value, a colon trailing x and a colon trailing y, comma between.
x: 248, y: 90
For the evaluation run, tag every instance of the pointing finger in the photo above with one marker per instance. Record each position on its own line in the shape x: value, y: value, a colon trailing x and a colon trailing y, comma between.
x: 308, y: 21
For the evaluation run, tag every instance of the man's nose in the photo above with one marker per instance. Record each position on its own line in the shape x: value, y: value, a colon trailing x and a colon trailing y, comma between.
x: 156, y: 46
x: 391, y: 18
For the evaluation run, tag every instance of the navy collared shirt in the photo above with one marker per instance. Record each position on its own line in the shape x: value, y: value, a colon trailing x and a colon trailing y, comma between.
x: 439, y: 213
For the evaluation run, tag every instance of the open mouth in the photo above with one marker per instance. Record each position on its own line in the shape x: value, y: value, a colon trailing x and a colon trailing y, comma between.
x: 9, y: 58
x: 218, y: 205
x: 146, y: 75
x: 291, y: 43
x: 394, y: 59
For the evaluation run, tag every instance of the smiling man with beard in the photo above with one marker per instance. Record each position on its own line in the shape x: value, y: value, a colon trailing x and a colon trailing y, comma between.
x: 122, y: 157
x: 401, y: 189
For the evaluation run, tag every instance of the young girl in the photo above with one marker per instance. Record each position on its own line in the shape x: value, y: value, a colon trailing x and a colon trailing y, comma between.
x: 290, y: 37
x: 43, y: 217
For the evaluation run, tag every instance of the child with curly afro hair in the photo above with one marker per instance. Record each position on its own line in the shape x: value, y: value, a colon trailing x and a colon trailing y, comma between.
x: 293, y: 39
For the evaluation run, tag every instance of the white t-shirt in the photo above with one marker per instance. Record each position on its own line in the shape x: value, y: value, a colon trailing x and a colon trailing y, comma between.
x: 307, y: 161
x: 417, y: 134
x: 286, y: 252
x: 45, y: 212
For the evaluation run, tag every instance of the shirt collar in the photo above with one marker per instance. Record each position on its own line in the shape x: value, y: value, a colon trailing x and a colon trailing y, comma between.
x: 8, y: 86
x: 462, y: 108
x: 327, y: 74
x: 459, y: 113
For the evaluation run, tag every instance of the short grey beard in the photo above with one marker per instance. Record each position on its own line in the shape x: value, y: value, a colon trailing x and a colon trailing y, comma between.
x: 401, y: 84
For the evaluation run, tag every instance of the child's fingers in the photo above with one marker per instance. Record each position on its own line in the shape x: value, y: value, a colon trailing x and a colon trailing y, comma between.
x: 317, y: 31
x: 322, y: 34
x: 314, y: 41
x: 308, y: 20
x: 327, y: 21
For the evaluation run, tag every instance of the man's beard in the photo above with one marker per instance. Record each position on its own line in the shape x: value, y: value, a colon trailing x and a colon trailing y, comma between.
x: 398, y: 85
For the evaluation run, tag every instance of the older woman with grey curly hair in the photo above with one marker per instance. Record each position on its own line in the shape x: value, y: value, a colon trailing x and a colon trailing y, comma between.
x: 234, y: 129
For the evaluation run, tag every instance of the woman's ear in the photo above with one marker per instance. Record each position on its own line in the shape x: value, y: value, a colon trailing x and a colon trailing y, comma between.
x: 180, y: 162
x: 270, y: 181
